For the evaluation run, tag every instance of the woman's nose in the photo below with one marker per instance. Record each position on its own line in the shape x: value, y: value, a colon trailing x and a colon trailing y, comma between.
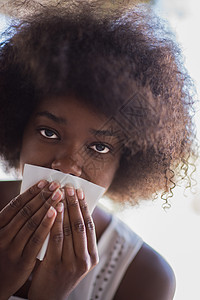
x: 68, y: 165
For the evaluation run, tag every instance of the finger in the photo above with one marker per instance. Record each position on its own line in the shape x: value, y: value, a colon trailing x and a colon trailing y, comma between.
x: 68, y: 254
x: 34, y: 221
x: 37, y: 239
x: 77, y: 224
x: 16, y: 204
x: 90, y: 227
x: 54, y: 250
x: 29, y: 209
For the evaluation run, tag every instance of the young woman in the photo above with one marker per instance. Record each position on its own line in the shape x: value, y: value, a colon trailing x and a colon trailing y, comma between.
x: 104, y: 98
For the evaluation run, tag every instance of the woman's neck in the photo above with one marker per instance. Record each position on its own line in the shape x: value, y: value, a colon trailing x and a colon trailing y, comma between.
x: 101, y: 220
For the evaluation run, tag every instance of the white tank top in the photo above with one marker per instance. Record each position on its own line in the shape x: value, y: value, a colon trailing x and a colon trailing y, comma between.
x: 117, y: 248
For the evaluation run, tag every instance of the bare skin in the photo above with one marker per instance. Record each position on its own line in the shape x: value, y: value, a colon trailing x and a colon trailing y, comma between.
x: 66, y: 135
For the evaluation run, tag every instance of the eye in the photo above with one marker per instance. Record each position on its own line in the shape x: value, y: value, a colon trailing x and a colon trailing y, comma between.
x: 48, y: 133
x: 100, y: 148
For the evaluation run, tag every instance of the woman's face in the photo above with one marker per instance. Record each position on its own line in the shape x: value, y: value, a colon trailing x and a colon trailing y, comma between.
x: 66, y: 135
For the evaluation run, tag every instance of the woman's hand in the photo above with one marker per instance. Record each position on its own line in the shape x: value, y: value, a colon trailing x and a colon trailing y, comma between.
x: 24, y: 224
x: 72, y: 250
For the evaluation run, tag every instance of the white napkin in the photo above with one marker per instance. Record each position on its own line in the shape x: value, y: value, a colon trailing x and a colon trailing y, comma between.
x: 32, y: 174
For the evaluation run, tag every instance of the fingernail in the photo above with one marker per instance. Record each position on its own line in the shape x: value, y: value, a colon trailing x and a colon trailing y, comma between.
x: 56, y: 194
x: 70, y: 191
x: 80, y: 193
x: 51, y: 212
x: 59, y: 207
x: 53, y: 186
x: 42, y: 184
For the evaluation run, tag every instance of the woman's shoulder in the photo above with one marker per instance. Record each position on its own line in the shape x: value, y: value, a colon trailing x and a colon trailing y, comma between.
x: 149, y: 276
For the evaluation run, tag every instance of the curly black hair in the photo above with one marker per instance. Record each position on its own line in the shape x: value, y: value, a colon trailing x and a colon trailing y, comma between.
x: 125, y: 65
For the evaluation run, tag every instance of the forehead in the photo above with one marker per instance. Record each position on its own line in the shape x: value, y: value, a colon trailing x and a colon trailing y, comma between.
x: 77, y: 116
x: 69, y: 109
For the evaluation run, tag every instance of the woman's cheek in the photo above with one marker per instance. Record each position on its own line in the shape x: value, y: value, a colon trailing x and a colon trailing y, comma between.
x: 101, y: 173
x: 32, y: 153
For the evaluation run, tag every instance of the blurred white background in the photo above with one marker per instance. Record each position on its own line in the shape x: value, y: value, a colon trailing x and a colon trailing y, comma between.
x: 175, y: 233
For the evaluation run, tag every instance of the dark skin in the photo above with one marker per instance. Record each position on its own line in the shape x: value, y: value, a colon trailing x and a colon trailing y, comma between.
x: 70, y: 137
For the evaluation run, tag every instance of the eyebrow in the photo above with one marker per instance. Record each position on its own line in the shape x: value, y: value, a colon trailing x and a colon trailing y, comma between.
x: 60, y: 120
x: 109, y: 133
x: 52, y: 117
